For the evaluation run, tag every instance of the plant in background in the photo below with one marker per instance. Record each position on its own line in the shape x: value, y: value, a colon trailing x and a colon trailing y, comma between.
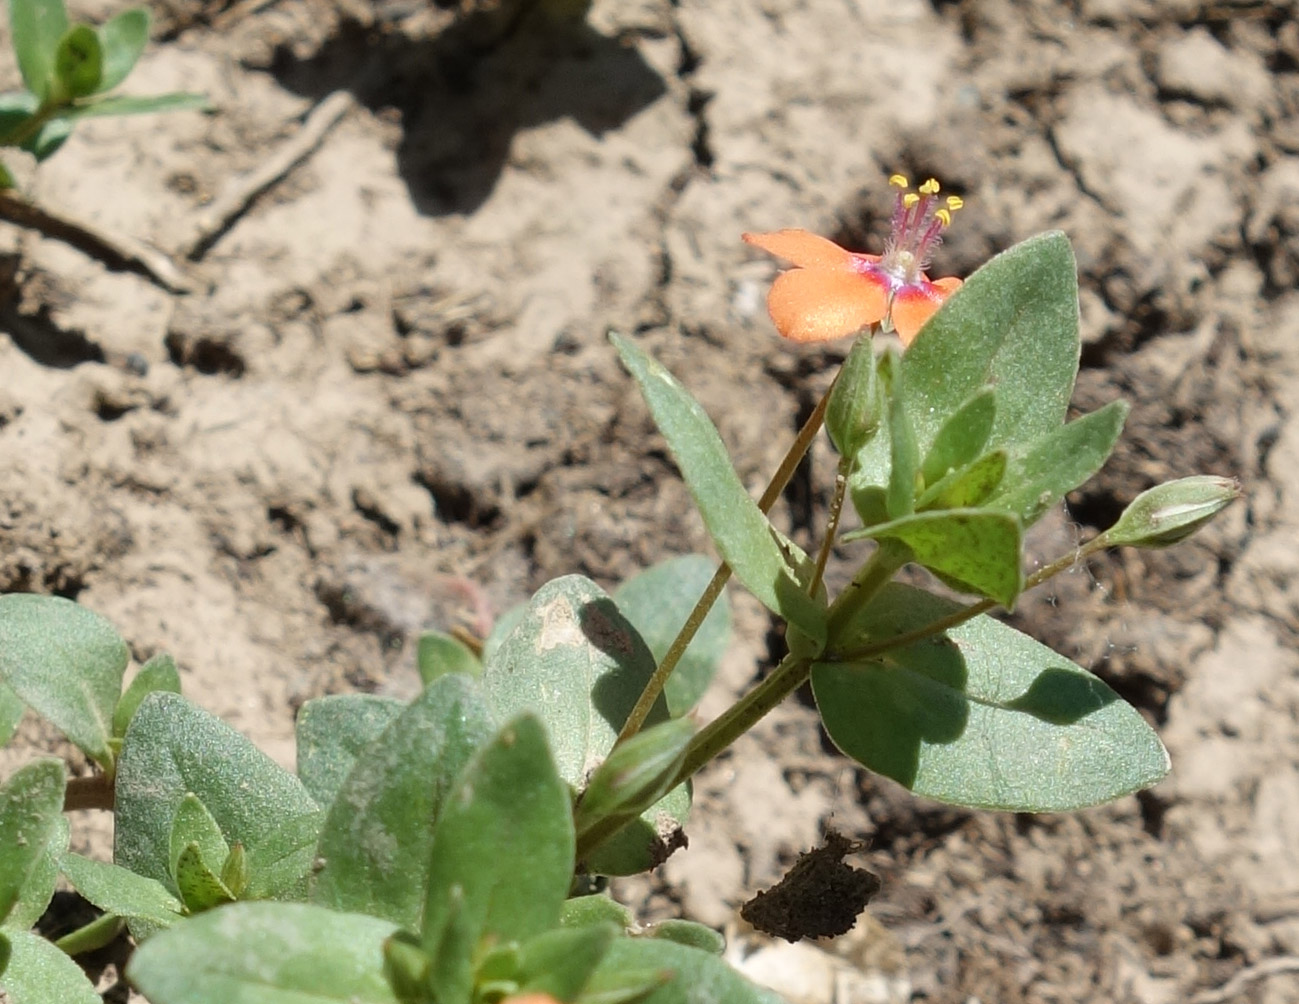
x: 449, y: 850
x: 68, y: 70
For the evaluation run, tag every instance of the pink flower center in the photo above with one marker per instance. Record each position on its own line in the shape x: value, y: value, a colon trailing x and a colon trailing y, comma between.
x: 919, y: 219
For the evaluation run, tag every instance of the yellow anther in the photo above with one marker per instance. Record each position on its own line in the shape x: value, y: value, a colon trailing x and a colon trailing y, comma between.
x: 955, y: 202
x: 930, y: 187
x: 944, y: 217
x: 910, y: 199
x: 899, y: 181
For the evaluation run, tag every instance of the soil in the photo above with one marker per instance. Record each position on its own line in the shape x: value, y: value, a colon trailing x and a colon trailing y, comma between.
x: 387, y: 402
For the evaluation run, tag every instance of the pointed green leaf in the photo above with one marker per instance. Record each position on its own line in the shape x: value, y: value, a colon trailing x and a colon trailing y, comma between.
x: 1013, y: 326
x: 575, y: 661
x: 501, y: 630
x: 657, y: 602
x: 904, y: 454
x: 39, y: 973
x: 559, y: 962
x: 978, y: 549
x: 31, y: 807
x: 333, y: 731
x: 48, y: 139
x: 193, y: 824
x: 66, y: 663
x: 636, y: 774
x: 200, y: 887
x: 687, y: 932
x: 375, y: 843
x: 440, y: 653
x: 122, y: 40
x: 734, y: 521
x: 159, y: 673
x: 1040, y: 476
x: 504, y: 841
x: 967, y: 487
x: 78, y: 64
x: 173, y: 748
x: 962, y: 438
x: 37, y: 892
x: 126, y: 105
x: 118, y: 891
x: 266, y: 953
x: 647, y: 841
x: 696, y: 976
x: 982, y: 716
x: 35, y: 28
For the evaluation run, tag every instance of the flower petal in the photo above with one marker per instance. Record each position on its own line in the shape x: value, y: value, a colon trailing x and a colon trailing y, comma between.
x: 914, y: 304
x: 803, y: 248
x: 819, y: 305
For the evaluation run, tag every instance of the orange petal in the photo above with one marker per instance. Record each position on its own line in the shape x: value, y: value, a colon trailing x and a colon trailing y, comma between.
x: 914, y: 305
x: 803, y: 248
x: 818, y: 305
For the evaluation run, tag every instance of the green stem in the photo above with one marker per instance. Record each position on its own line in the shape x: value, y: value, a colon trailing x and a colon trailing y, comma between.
x: 741, y: 716
x: 832, y: 524
x: 802, y: 443
x: 98, y: 933
x: 878, y: 572
x: 958, y: 617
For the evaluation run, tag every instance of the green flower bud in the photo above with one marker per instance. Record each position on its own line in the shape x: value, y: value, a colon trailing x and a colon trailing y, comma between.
x: 852, y: 416
x: 636, y: 774
x: 1172, y: 511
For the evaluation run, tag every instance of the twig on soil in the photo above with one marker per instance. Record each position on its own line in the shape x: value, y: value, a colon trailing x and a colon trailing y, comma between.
x: 1237, y: 984
x: 239, y: 11
x: 221, y: 214
x: 114, y: 250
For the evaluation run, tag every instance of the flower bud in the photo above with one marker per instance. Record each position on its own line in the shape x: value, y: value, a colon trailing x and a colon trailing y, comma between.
x: 852, y: 416
x: 636, y: 774
x: 1171, y: 512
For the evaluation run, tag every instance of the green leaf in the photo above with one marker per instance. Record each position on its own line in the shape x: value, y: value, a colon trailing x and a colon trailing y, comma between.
x: 439, y: 654
x: 333, y: 731
x: 501, y: 630
x: 695, y: 976
x: 266, y: 953
x: 376, y: 840
x: 78, y: 64
x: 126, y: 105
x: 504, y: 841
x: 597, y: 908
x: 36, y: 893
x: 36, y: 27
x: 983, y: 715
x: 122, y: 40
x: 559, y: 962
x: 119, y: 891
x: 1171, y: 512
x: 280, y: 865
x: 977, y: 549
x: 738, y: 528
x: 646, y: 841
x: 1040, y: 476
x: 576, y: 662
x: 48, y: 139
x: 962, y: 438
x: 7, y: 181
x: 657, y: 602
x: 687, y: 932
x: 159, y: 673
x: 234, y: 872
x: 194, y: 825
x: 200, y: 887
x: 11, y: 712
x: 968, y: 487
x: 66, y: 663
x: 1013, y: 326
x: 31, y: 806
x: 636, y: 774
x: 173, y: 748
x: 904, y: 454
x: 39, y: 973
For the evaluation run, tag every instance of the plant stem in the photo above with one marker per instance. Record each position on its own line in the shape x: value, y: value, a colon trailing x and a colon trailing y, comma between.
x: 832, y: 524
x: 98, y: 933
x: 877, y: 573
x: 802, y: 443
x: 95, y: 792
x: 959, y: 617
x: 741, y: 716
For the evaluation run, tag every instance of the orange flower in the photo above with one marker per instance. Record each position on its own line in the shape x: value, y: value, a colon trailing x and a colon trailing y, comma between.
x: 832, y: 292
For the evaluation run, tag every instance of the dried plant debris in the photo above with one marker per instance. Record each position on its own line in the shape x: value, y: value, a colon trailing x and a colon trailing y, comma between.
x: 819, y: 897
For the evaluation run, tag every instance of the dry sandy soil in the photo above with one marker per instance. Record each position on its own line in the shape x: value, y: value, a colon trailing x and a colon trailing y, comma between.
x: 389, y: 374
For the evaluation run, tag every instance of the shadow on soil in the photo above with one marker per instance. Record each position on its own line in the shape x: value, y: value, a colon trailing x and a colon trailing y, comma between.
x: 462, y: 97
